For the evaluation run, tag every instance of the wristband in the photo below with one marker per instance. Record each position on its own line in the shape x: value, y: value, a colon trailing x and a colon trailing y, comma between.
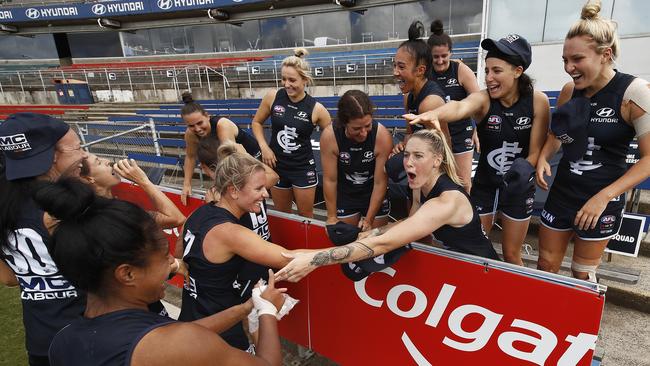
x: 263, y: 306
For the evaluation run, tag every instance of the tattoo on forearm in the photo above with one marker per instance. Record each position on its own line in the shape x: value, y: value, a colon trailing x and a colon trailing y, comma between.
x: 340, y: 254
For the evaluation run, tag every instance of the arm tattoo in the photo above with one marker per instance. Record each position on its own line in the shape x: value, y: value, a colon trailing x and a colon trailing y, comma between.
x: 340, y: 254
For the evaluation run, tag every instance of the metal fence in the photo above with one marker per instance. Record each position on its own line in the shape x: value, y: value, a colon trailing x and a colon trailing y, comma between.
x: 330, y: 71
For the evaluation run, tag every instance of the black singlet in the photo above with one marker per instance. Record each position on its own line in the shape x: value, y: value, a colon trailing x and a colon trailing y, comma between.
x: 291, y: 128
x: 504, y: 134
x: 468, y: 239
x: 355, y: 166
x: 108, y: 339
x: 413, y: 102
x: 609, y: 138
x: 49, y: 301
x: 245, y: 139
x: 210, y: 289
x: 450, y: 84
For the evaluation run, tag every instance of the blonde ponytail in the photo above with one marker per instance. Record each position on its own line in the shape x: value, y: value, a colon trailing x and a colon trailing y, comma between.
x: 601, y: 31
x: 439, y: 145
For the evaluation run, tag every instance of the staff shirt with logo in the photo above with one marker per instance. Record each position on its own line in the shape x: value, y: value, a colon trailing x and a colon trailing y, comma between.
x: 291, y: 128
x: 608, y: 142
x: 504, y: 134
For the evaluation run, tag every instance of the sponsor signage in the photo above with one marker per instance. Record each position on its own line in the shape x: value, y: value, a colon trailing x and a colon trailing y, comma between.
x: 629, y: 237
x: 432, y: 307
x: 110, y: 8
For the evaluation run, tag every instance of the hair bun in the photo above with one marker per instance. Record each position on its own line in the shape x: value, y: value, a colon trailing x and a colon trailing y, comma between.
x: 186, y: 97
x: 437, y: 27
x: 590, y: 10
x: 416, y: 30
x: 226, y: 149
x: 300, y: 52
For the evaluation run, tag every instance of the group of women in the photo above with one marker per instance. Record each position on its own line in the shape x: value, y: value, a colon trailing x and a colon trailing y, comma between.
x: 115, y: 252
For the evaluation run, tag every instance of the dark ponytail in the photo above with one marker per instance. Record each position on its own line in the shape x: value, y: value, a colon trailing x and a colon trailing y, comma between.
x: 525, y: 84
x: 94, y: 235
x: 190, y: 105
x: 417, y: 48
x: 352, y: 105
x: 438, y: 36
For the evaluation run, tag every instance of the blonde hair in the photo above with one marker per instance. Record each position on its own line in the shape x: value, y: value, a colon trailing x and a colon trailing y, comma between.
x: 601, y: 31
x: 234, y: 168
x: 438, y: 144
x: 298, y: 62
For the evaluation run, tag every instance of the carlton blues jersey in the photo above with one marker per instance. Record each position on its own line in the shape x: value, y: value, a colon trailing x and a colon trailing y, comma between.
x: 468, y: 239
x: 49, y: 301
x: 356, y: 166
x: 209, y: 289
x: 450, y: 84
x: 608, y: 142
x: 108, y: 339
x: 251, y: 272
x: 504, y: 134
x: 245, y: 139
x: 291, y: 128
x: 413, y: 102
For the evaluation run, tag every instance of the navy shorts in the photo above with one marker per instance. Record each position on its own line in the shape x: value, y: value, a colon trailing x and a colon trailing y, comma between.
x: 461, y: 137
x: 347, y: 210
x: 298, y: 178
x: 515, y: 208
x: 558, y: 217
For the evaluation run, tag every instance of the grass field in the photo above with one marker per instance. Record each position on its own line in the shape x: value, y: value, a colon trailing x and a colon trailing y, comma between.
x: 12, y: 335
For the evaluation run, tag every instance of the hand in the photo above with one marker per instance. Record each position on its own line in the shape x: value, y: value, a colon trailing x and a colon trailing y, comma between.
x: 299, y: 267
x: 129, y: 169
x: 180, y: 267
x: 365, y: 224
x: 272, y: 294
x: 268, y: 157
x: 187, y: 192
x: 587, y: 217
x: 331, y: 220
x: 427, y: 119
x: 398, y: 148
x: 543, y: 169
x: 369, y: 233
x: 476, y: 142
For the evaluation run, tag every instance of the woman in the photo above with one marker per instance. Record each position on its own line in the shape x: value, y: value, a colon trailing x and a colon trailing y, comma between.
x: 250, y: 272
x: 115, y: 252
x: 512, y: 120
x: 457, y: 81
x: 587, y: 198
x: 216, y: 245
x: 103, y: 175
x: 353, y: 153
x: 201, y: 125
x: 294, y: 113
x: 440, y: 207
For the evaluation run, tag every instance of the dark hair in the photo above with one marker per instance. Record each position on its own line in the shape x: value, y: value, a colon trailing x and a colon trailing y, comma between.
x: 207, y: 152
x: 353, y: 104
x: 95, y: 234
x: 417, y: 48
x: 525, y: 84
x: 438, y: 36
x: 190, y: 105
x: 14, y: 196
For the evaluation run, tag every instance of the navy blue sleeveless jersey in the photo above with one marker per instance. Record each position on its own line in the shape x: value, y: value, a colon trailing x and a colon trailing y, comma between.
x: 504, y: 134
x: 49, y: 301
x: 210, y: 288
x: 413, y: 102
x: 106, y: 340
x: 356, y: 167
x: 245, y: 139
x: 450, y: 84
x: 291, y: 128
x: 468, y: 239
x: 609, y: 137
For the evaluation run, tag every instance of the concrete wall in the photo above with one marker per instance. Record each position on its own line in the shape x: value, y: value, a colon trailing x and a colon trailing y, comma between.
x: 29, y: 97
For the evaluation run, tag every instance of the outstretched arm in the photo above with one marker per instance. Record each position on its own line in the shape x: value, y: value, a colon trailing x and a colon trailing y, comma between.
x: 474, y: 105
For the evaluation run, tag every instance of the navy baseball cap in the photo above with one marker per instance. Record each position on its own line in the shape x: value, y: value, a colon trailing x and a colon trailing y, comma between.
x: 342, y: 233
x: 569, y: 124
x: 520, y: 178
x: 385, y: 260
x: 395, y: 167
x: 353, y: 271
x: 514, y: 47
x: 28, y: 141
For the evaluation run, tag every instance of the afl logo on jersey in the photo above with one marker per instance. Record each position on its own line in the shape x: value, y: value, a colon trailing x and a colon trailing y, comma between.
x: 608, y: 219
x: 523, y: 123
x: 278, y: 110
x: 493, y: 123
x: 344, y: 157
x: 605, y: 112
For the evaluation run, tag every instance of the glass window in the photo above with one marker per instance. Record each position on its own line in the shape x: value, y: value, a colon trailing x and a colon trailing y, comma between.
x: 137, y: 43
x: 561, y: 14
x: 631, y: 16
x: 101, y: 44
x: 245, y: 36
x: 525, y: 18
x: 329, y: 28
x: 458, y: 17
x: 39, y: 46
x: 281, y: 33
